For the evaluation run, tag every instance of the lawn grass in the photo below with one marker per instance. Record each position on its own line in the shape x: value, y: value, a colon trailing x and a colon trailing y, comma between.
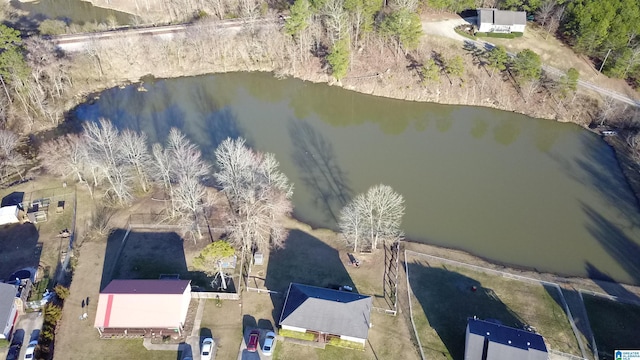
x: 37, y: 245
x: 290, y: 351
x: 307, y: 260
x: 225, y: 325
x: 345, y: 344
x: 465, y: 34
x: 615, y: 325
x: 296, y: 335
x: 442, y: 307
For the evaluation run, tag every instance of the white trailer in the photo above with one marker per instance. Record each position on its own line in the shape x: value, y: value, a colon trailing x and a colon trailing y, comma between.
x: 9, y: 215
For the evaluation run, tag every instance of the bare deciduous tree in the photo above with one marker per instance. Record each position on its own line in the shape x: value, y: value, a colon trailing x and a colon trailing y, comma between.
x: 258, y: 193
x: 373, y: 218
x: 9, y: 157
x: 104, y: 151
x: 67, y: 157
x: 134, y: 149
x: 161, y: 166
x: 545, y: 12
x: 179, y: 168
x: 189, y: 199
x: 187, y: 159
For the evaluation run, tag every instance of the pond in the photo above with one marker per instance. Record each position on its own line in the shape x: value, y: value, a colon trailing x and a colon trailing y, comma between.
x: 75, y: 11
x: 506, y: 187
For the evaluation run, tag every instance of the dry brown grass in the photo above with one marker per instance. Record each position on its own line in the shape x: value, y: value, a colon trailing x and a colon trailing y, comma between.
x: 225, y: 325
x: 37, y: 245
x: 441, y: 309
x: 557, y: 54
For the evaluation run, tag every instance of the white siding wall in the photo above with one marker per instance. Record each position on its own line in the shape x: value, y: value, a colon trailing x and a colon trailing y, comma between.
x: 517, y: 28
x: 186, y: 298
x: 485, y: 27
x: 293, y: 328
x: 354, y: 339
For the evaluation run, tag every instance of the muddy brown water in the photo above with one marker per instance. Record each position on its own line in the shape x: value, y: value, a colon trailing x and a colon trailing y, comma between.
x: 513, y: 189
x: 75, y: 11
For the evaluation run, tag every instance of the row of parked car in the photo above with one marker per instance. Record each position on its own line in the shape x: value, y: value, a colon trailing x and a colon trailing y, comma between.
x: 252, y: 345
x: 267, y: 346
x: 14, y: 350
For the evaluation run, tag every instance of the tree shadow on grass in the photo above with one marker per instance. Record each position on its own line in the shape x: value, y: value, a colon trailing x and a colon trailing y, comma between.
x: 615, y: 325
x: 578, y: 312
x: 305, y: 260
x: 609, y: 285
x: 19, y: 248
x: 149, y: 255
x: 448, y: 300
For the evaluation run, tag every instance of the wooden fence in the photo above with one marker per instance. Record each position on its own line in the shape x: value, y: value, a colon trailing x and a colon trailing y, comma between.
x: 214, y: 295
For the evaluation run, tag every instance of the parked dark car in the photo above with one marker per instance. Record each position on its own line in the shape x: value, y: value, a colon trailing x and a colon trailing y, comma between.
x: 14, y: 352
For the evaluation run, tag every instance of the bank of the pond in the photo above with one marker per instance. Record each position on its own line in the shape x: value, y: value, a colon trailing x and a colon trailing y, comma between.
x: 623, y: 291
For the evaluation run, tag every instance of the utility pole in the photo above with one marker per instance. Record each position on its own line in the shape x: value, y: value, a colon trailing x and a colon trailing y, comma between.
x: 605, y: 60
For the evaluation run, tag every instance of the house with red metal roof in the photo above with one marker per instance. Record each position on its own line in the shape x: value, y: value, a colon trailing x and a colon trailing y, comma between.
x: 143, y: 307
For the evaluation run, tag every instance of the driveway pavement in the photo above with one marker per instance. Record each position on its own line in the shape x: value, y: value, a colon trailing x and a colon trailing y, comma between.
x: 27, y: 329
x: 246, y: 355
x: 445, y: 28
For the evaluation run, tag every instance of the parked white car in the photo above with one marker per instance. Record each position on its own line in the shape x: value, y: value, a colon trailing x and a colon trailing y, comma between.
x: 269, y: 343
x: 207, y: 349
x: 28, y: 355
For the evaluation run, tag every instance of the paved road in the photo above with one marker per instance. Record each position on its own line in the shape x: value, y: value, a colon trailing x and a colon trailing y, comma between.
x: 445, y: 28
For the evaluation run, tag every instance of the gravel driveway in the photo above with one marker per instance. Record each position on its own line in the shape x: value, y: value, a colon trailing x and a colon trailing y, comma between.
x: 445, y: 28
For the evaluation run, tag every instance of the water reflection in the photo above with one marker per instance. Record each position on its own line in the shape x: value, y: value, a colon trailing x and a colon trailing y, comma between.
x: 479, y: 128
x: 506, y: 132
x: 319, y: 171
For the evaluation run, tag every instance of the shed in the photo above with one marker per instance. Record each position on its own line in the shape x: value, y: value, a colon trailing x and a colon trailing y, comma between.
x: 258, y: 258
x: 501, y: 21
x: 8, y: 309
x: 143, y: 307
x: 327, y: 312
x: 487, y: 340
x: 9, y: 215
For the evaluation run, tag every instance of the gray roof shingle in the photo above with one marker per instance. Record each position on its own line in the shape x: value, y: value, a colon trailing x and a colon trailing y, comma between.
x: 326, y: 310
x: 502, y: 17
x: 7, y: 297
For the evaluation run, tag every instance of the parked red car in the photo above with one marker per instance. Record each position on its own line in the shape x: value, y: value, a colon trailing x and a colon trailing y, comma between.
x: 254, y: 337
